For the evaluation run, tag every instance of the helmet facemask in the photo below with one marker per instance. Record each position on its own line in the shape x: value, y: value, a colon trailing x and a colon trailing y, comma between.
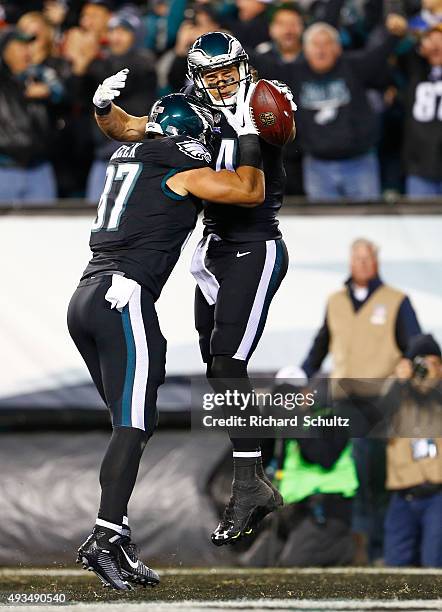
x: 206, y: 92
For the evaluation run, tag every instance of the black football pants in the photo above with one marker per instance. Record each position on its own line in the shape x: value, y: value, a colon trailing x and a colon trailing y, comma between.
x: 125, y: 354
x: 241, y: 279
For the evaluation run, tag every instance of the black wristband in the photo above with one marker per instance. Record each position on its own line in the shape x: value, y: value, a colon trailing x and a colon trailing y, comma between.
x: 250, y: 151
x: 103, y: 111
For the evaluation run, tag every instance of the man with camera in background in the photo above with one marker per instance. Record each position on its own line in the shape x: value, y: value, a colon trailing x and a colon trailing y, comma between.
x: 367, y: 328
x: 413, y: 524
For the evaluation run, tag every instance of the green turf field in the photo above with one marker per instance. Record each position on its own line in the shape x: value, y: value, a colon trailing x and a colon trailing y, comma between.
x: 241, y: 585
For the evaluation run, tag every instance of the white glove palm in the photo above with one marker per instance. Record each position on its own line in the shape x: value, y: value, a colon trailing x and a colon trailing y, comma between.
x: 242, y: 120
x: 285, y: 89
x: 110, y: 88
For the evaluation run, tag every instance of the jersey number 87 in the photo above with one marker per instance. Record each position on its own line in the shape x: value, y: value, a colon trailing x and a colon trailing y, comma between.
x: 118, y: 186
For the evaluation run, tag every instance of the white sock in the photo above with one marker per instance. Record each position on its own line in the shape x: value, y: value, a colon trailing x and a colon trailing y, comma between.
x: 113, y: 526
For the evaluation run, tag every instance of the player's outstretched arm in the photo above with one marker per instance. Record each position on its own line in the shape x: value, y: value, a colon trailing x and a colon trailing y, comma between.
x: 244, y: 187
x: 119, y: 125
x: 113, y: 120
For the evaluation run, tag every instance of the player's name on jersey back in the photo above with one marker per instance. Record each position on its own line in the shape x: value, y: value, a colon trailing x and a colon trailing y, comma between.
x: 126, y: 151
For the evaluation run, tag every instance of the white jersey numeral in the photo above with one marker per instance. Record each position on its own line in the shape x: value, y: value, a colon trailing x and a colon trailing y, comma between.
x: 226, y: 155
x: 426, y: 105
x: 102, y: 203
x: 127, y: 174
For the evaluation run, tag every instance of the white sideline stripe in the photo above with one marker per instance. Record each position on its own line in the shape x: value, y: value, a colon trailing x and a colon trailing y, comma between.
x: 302, y: 605
x: 418, y: 605
x: 326, y: 605
x: 207, y: 282
x: 141, y: 360
x: 258, y: 303
x: 293, y: 604
x: 237, y: 571
x: 246, y: 453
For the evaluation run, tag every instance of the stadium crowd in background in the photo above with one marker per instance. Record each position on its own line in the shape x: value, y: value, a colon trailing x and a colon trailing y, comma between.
x: 367, y: 83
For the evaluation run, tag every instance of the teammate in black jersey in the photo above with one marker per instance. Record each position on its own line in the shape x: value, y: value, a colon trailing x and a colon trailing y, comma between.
x: 148, y: 207
x: 238, y: 265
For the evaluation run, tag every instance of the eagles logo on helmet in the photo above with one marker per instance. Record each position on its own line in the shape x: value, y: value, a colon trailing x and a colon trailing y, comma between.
x: 177, y: 114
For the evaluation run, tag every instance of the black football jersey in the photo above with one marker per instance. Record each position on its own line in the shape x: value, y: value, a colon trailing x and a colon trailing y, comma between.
x: 141, y: 225
x: 240, y: 224
x: 423, y: 111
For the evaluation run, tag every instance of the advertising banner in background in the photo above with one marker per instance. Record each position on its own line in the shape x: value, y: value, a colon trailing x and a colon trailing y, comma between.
x: 43, y: 257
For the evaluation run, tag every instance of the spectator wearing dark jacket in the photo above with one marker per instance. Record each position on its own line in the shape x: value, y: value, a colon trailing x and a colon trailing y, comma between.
x: 174, y: 63
x: 285, y: 29
x: 252, y: 26
x: 80, y: 46
x: 273, y: 58
x: 54, y: 72
x: 43, y: 50
x: 137, y: 97
x: 25, y: 130
x: 270, y: 59
x: 423, y: 118
x: 88, y: 41
x: 337, y: 126
x: 161, y: 24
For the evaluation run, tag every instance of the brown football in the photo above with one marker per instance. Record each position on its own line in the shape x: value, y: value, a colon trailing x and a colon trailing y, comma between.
x: 272, y: 113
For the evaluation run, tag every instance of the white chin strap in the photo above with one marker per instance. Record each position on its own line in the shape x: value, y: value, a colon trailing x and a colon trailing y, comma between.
x: 230, y: 101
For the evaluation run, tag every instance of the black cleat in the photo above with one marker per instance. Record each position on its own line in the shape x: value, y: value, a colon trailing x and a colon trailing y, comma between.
x: 250, y: 502
x: 279, y: 501
x: 132, y: 568
x: 101, y: 556
x: 261, y: 513
x: 277, y: 497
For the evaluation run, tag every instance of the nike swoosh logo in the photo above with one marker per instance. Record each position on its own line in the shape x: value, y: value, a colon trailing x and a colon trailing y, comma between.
x: 131, y: 563
x: 242, y: 254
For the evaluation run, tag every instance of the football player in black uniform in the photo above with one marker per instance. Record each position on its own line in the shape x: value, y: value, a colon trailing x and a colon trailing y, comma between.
x: 148, y: 207
x: 238, y: 265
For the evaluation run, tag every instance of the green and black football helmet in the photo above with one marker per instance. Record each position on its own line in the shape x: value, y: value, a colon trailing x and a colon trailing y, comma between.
x: 181, y: 114
x: 213, y: 51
